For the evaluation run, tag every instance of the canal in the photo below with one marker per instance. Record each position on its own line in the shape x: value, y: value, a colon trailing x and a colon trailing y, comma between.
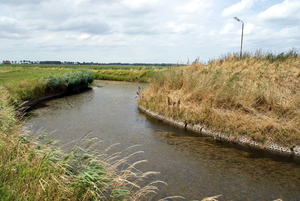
x: 193, y: 166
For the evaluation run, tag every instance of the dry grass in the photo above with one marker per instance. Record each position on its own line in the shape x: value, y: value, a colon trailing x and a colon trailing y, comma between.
x: 249, y: 96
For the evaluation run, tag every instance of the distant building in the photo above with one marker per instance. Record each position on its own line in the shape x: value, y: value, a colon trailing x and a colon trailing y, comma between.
x: 6, y: 62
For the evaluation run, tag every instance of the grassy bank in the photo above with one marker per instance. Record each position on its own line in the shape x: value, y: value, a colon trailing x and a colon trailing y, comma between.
x: 256, y: 96
x: 30, y: 171
x: 132, y: 75
x: 29, y: 84
x: 33, y: 170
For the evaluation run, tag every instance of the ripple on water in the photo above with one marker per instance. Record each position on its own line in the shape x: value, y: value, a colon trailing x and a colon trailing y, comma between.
x: 194, y: 167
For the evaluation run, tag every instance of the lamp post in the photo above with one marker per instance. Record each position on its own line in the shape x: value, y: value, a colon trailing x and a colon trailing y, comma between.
x: 237, y: 19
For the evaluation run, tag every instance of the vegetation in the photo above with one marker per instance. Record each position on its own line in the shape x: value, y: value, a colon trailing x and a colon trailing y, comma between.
x: 34, y: 170
x: 256, y: 96
x: 132, y: 75
x: 14, y: 74
x: 92, y: 67
x: 104, y: 72
x: 32, y: 89
x: 31, y: 171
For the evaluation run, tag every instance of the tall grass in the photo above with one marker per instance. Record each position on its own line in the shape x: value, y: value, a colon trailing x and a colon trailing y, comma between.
x: 260, y: 55
x: 31, y: 169
x: 256, y: 96
x: 39, y: 171
x: 131, y: 75
x: 30, y: 90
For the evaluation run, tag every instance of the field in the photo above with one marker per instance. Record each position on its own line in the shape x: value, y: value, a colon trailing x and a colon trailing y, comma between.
x: 13, y: 73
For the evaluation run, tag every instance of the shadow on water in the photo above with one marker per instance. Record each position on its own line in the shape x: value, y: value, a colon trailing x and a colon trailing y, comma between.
x: 193, y: 166
x: 180, y: 134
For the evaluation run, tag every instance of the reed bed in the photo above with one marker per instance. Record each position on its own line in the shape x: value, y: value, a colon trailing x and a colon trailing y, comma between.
x: 256, y: 96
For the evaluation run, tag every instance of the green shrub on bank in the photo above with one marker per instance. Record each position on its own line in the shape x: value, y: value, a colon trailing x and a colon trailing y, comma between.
x: 30, y: 90
x: 69, y: 81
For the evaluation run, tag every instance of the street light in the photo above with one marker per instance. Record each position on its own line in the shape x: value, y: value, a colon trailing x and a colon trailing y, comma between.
x: 237, y: 19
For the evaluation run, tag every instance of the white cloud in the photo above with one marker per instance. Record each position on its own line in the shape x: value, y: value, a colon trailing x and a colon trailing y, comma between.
x: 142, y: 30
x: 194, y: 6
x: 285, y: 13
x: 238, y: 8
x: 228, y: 28
x: 292, y: 32
x: 139, y: 4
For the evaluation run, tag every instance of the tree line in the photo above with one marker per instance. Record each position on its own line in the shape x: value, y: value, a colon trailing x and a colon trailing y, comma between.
x: 84, y: 63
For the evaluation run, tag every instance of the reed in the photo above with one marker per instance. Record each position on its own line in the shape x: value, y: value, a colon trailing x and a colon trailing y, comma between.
x: 257, y: 96
x: 32, y: 169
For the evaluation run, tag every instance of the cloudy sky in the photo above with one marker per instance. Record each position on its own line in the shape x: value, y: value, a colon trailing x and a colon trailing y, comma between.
x: 148, y: 31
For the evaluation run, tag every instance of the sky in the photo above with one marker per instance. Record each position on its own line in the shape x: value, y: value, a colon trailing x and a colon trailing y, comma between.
x: 144, y: 31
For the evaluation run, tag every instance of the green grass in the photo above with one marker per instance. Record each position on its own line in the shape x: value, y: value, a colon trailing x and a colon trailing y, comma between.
x: 15, y: 73
x: 126, y: 75
x: 40, y: 84
x: 94, y: 67
x: 11, y: 74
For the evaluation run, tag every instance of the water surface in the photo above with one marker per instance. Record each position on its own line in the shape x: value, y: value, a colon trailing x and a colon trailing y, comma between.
x: 194, y: 167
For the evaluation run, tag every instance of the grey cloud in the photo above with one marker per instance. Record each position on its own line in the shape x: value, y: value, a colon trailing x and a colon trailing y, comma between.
x: 11, y: 28
x: 88, y: 25
x: 21, y: 2
x: 134, y: 27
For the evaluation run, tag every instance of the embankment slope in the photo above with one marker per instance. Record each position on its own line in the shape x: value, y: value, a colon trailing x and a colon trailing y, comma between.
x: 252, y: 100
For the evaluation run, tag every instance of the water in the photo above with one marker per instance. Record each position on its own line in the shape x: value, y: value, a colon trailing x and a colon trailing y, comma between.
x: 194, y: 167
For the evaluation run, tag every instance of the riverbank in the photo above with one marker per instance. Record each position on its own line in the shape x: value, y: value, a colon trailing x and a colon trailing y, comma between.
x: 243, y: 140
x: 32, y: 169
x: 254, y: 100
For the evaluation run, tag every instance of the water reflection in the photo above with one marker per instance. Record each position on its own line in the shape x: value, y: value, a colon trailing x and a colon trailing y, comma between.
x: 193, y: 166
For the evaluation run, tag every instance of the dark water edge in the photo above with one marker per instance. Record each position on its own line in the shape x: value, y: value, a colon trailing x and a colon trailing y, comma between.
x: 254, y: 152
x: 193, y: 166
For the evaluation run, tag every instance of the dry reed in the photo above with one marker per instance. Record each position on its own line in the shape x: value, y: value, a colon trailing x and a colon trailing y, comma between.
x: 251, y: 96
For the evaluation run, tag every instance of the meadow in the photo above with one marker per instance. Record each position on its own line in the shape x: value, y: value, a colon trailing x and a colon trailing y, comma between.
x: 104, y: 72
x: 255, y: 96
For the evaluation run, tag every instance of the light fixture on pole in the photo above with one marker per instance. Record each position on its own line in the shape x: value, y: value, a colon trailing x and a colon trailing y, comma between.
x: 237, y: 19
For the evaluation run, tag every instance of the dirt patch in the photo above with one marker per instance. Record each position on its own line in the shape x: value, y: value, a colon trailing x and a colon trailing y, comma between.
x: 5, y: 71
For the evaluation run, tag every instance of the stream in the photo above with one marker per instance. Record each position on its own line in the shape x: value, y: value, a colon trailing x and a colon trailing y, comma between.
x: 193, y: 166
